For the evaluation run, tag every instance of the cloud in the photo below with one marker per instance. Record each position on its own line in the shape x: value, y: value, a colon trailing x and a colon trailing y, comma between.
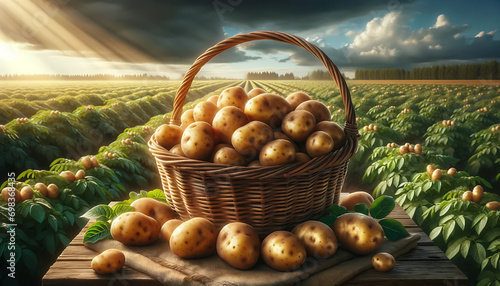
x: 389, y: 42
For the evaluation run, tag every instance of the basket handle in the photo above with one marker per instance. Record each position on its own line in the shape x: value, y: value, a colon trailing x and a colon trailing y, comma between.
x: 180, y: 97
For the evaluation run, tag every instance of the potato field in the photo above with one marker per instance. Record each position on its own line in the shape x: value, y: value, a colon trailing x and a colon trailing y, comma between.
x: 102, y: 128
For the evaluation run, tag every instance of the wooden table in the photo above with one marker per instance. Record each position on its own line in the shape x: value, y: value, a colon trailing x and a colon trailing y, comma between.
x: 424, y: 265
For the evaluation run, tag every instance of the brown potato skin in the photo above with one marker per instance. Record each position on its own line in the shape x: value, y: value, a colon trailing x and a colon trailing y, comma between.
x: 477, y: 194
x: 198, y: 140
x: 318, y: 144
x: 335, y: 131
x: 26, y: 193
x: 226, y: 121
x: 277, y: 152
x: 187, y: 118
x: 238, y: 244
x: 194, y: 238
x: 177, y: 150
x: 358, y: 233
x: 298, y: 125
x: 42, y: 188
x: 109, y: 261
x: 267, y: 107
x: 135, y: 228
x: 318, y: 238
x: 52, y: 191
x: 283, y: 251
x: 383, y: 262
x: 168, y: 135
x: 205, y: 111
x: 160, y: 211
x: 168, y: 228
x: 229, y: 156
x: 467, y: 196
x: 6, y: 196
x: 255, y: 91
x: 493, y: 205
x: 296, y: 98
x: 233, y: 96
x: 249, y: 139
x: 354, y: 198
x: 317, y: 108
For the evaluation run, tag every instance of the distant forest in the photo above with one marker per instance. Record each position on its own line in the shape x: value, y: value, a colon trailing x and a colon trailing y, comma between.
x: 82, y: 77
x: 487, y: 71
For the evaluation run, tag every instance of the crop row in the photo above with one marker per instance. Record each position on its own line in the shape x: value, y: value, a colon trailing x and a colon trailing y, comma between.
x: 33, y: 143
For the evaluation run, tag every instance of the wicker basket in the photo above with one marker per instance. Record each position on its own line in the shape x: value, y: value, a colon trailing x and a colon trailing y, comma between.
x: 268, y: 198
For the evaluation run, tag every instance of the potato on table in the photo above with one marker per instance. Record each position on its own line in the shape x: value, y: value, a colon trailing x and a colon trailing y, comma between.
x: 135, y: 228
x: 160, y: 211
x: 358, y: 233
x: 194, y: 238
x: 318, y: 238
x: 238, y: 244
x: 283, y: 251
x: 109, y: 261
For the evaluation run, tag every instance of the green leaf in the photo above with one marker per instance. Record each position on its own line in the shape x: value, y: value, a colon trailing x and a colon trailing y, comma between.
x: 448, y: 230
x: 361, y: 208
x: 478, y: 252
x: 464, y: 248
x: 461, y: 222
x: 157, y: 194
x: 435, y: 232
x: 481, y: 224
x: 97, y: 231
x: 37, y: 212
x: 393, y: 229
x: 454, y: 248
x: 50, y: 243
x: 29, y: 258
x: 328, y: 220
x: 382, y: 206
x: 100, y: 212
x: 337, y: 210
x: 122, y: 207
x: 52, y: 222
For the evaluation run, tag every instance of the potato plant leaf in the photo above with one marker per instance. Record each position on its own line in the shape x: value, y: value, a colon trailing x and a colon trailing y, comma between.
x: 100, y: 212
x: 393, y: 229
x: 328, y: 220
x: 361, y: 208
x: 97, y: 231
x: 337, y: 210
x: 382, y: 206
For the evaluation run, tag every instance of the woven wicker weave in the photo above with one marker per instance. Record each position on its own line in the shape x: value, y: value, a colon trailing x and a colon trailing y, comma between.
x: 268, y: 198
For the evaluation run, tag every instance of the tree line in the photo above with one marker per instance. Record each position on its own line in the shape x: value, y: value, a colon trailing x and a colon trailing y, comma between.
x: 82, y: 77
x: 269, y: 76
x: 488, y: 71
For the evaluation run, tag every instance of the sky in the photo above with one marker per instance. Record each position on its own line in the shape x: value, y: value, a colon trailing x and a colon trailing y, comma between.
x: 164, y: 37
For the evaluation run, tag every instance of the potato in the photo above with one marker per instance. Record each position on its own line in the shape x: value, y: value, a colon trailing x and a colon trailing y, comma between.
x: 233, y: 96
x: 335, y: 131
x: 226, y: 121
x: 383, y: 262
x: 86, y: 162
x: 254, y: 163
x: 354, y: 198
x: 42, y: 188
x: 283, y: 251
x: 213, y: 99
x: 452, y: 171
x: 177, y: 150
x: 168, y: 228
x: 268, y: 108
x: 80, y: 174
x: 68, y: 175
x: 280, y: 135
x: 467, y: 196
x: 301, y: 157
x: 135, y: 228
x: 160, y: 211
x: 168, y: 135
x: 95, y: 163
x: 187, y: 118
x: 205, y: 111
x: 436, y: 175
x: 493, y: 205
x: 477, y: 194
x: 238, y: 244
x: 109, y: 261
x: 255, y: 91
x: 229, y: 156
x: 430, y: 169
x: 298, y: 125
x: 318, y: 144
x: 296, y: 98
x: 52, y: 191
x: 26, y: 193
x: 358, y: 233
x: 194, y: 238
x: 317, y: 108
x: 251, y: 137
x: 277, y: 152
x: 198, y: 140
x: 6, y: 194
x: 318, y: 238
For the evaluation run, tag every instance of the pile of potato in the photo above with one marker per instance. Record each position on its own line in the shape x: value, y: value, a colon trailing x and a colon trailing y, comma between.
x: 253, y: 129
x: 238, y: 243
